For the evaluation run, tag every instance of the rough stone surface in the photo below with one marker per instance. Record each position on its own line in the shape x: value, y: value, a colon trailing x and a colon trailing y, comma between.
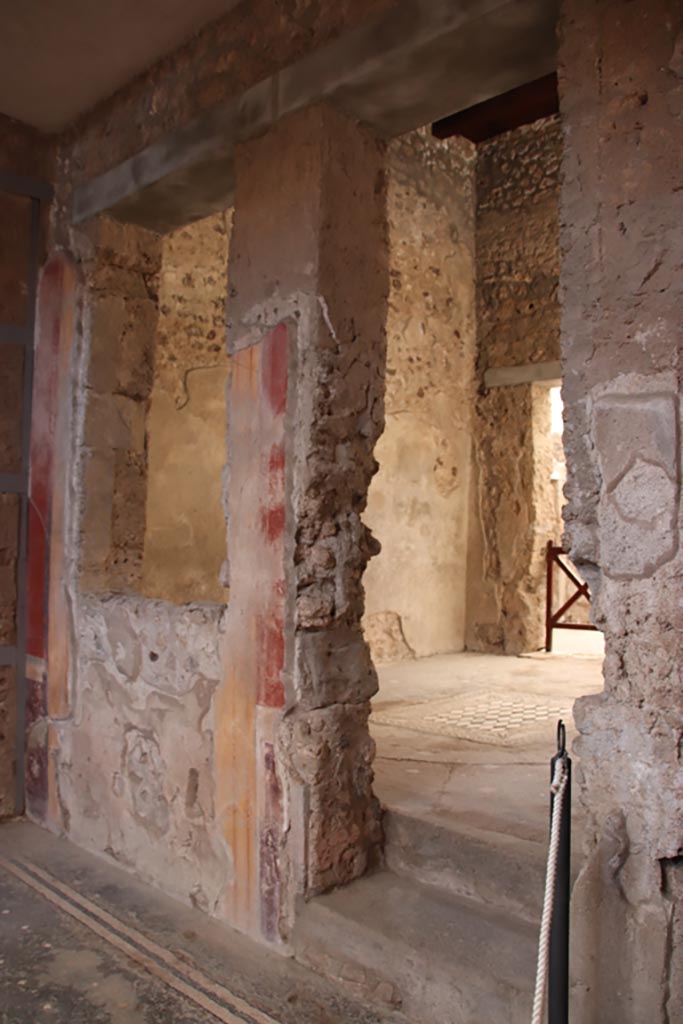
x: 517, y: 245
x: 309, y: 246
x: 501, y: 589
x: 621, y: 210
x: 384, y: 634
x: 184, y: 546
x: 135, y: 761
x: 332, y: 751
x: 120, y: 267
x: 517, y: 324
x: 418, y: 502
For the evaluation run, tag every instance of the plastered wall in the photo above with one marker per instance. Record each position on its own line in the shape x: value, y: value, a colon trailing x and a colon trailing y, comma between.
x: 418, y: 502
x: 184, y: 543
x: 517, y: 324
x: 125, y: 751
x: 621, y: 76
x: 120, y: 267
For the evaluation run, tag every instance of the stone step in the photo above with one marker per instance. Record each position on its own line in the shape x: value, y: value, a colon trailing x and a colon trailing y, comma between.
x: 501, y: 870
x: 410, y: 948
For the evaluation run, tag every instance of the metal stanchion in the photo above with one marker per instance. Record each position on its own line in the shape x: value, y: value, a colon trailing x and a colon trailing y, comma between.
x: 558, y: 968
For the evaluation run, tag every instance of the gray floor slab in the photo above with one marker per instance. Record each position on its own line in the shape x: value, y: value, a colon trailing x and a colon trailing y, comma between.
x: 55, y: 969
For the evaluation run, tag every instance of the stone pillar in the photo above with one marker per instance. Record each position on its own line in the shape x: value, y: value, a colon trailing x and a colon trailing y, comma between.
x: 306, y: 314
x: 49, y: 609
x: 621, y: 75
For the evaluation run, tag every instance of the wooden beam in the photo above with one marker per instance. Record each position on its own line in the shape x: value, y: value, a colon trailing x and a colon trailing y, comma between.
x: 523, y: 105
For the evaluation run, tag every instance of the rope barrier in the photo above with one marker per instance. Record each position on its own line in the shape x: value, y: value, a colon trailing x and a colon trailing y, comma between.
x: 558, y: 787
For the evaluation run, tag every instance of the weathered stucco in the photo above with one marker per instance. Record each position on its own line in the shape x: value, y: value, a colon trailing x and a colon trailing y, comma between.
x: 517, y: 324
x: 120, y: 267
x: 135, y: 763
x: 309, y: 254
x: 122, y: 757
x: 225, y: 755
x: 621, y: 76
x: 184, y: 544
x: 418, y: 502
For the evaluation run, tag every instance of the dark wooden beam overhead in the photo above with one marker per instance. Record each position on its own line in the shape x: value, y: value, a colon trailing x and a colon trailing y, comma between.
x: 502, y: 113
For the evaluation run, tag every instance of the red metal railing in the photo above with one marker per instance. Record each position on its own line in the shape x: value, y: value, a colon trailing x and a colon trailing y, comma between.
x: 554, y: 619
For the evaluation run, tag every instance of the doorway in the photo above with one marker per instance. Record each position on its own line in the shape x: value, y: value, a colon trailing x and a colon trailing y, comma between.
x: 469, y: 489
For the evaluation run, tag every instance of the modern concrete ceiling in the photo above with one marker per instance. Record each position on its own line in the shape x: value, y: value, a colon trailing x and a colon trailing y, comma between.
x: 58, y: 58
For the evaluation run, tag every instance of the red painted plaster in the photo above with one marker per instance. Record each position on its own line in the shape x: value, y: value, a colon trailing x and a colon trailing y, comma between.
x: 274, y: 368
x: 271, y: 658
x: 43, y: 420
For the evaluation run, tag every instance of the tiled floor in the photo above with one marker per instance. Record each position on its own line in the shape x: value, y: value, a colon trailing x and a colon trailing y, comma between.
x: 485, y: 717
x: 467, y: 738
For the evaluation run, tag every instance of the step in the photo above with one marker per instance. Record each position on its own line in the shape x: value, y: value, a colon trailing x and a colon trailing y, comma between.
x: 499, y: 869
x: 430, y: 955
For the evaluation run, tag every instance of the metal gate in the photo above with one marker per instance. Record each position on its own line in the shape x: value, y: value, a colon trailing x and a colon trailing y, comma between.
x: 555, y: 619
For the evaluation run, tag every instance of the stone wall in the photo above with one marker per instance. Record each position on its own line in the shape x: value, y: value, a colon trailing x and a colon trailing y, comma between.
x: 621, y: 77
x: 125, y: 754
x: 120, y: 267
x: 307, y: 315
x: 224, y: 754
x: 518, y: 246
x: 134, y: 762
x: 517, y: 324
x: 418, y: 502
x: 184, y: 544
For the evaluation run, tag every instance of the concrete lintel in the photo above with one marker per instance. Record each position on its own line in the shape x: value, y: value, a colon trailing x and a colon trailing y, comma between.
x: 530, y: 373
x: 399, y: 71
x: 186, y: 175
x: 424, y: 60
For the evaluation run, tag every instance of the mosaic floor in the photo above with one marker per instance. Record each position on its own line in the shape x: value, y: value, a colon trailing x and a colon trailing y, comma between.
x: 484, y: 717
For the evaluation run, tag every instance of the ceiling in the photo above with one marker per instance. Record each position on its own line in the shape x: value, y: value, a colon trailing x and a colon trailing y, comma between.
x: 58, y: 58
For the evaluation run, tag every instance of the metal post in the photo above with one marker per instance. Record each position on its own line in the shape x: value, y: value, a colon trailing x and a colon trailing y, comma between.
x: 549, y: 596
x: 558, y: 972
